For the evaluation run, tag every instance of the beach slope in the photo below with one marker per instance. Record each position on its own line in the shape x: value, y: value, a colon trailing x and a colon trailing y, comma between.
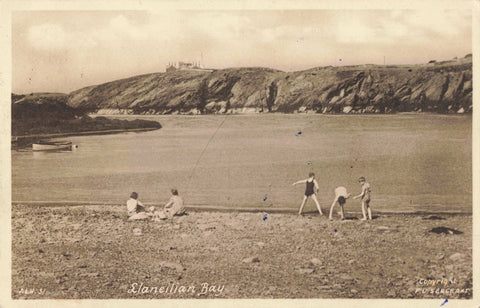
x: 94, y: 252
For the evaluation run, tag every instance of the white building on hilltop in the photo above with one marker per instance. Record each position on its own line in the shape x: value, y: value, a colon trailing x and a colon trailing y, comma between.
x: 186, y: 66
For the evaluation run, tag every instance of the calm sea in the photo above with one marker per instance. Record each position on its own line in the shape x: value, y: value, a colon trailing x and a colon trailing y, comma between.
x: 412, y: 161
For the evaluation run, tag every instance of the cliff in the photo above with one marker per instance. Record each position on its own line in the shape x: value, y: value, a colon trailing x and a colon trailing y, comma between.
x: 444, y: 87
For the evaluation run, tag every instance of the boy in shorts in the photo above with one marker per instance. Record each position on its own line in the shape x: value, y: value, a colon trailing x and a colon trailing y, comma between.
x: 365, y: 195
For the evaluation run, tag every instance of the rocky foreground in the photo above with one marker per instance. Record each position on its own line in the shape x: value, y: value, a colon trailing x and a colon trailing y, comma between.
x: 94, y: 252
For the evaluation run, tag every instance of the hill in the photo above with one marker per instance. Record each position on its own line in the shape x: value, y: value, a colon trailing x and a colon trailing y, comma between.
x: 444, y: 87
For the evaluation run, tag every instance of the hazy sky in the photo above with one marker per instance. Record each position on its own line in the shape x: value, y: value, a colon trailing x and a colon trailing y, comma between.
x: 61, y: 51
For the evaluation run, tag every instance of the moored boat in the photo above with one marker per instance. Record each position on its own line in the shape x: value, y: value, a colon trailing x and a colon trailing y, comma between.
x: 45, y: 145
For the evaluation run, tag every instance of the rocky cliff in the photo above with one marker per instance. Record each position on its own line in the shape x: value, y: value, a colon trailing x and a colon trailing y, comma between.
x: 444, y: 87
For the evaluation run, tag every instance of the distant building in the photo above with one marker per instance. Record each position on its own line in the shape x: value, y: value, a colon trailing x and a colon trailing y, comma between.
x: 186, y: 66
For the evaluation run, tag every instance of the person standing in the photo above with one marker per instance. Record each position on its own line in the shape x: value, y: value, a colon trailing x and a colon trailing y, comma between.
x: 310, y: 191
x: 365, y: 195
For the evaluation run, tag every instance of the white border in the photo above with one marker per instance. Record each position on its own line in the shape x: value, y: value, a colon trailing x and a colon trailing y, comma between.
x: 8, y: 6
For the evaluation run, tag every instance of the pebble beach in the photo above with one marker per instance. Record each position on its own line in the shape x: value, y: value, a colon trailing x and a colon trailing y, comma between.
x: 94, y: 252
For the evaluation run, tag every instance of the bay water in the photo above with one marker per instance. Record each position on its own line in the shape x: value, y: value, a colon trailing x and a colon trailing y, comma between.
x: 412, y: 162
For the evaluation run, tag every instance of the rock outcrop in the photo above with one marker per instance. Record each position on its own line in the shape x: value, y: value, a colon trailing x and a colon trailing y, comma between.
x: 444, y: 87
x: 48, y: 113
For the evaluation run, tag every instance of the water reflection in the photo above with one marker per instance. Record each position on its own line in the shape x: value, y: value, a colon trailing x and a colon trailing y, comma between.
x: 46, y: 154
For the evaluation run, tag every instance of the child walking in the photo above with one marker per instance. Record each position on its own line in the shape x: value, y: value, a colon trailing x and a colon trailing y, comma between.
x: 365, y: 195
x: 310, y: 191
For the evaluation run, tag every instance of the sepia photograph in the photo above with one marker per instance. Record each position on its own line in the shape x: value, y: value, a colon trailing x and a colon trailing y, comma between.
x: 202, y: 152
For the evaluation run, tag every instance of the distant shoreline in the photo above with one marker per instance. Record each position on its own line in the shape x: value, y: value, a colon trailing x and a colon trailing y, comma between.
x: 21, y: 142
x: 86, y: 133
x: 414, y: 113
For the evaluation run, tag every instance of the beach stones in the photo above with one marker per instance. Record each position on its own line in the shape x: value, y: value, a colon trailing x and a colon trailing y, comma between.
x: 173, y: 265
x: 137, y: 231
x: 445, y: 230
x: 179, y: 219
x: 433, y: 217
x: 260, y: 244
x: 310, y: 261
x: 316, y: 261
x: 206, y: 226
x: 345, y: 277
x: 207, y: 233
x: 391, y: 293
x: 302, y: 270
x: 457, y: 256
x: 251, y: 260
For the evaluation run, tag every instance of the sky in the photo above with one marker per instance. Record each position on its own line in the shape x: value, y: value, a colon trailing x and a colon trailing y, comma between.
x: 62, y: 51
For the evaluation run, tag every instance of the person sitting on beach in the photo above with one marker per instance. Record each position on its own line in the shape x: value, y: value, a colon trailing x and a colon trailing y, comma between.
x: 341, y: 197
x: 310, y: 190
x: 174, y: 207
x: 365, y: 195
x: 136, y: 210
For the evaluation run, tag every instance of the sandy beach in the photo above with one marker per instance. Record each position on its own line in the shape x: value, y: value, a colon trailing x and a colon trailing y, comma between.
x: 95, y: 252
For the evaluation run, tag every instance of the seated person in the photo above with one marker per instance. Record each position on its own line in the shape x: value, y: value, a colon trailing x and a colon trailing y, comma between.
x: 174, y: 207
x: 136, y: 210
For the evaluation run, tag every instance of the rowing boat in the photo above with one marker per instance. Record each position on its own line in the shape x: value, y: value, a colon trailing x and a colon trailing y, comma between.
x: 44, y: 145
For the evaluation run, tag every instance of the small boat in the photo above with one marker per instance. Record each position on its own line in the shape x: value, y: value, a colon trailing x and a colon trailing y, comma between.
x: 44, y: 145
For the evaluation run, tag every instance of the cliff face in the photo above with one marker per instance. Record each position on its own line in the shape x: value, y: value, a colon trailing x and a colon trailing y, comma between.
x: 444, y: 87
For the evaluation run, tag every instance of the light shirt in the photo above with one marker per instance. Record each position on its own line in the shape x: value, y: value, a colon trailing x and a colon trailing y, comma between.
x: 340, y: 191
x: 132, y: 206
x: 175, y: 205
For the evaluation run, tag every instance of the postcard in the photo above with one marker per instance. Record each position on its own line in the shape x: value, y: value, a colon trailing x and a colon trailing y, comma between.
x: 239, y: 154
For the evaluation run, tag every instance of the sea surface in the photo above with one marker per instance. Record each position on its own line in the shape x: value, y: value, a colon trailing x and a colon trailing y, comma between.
x: 412, y: 162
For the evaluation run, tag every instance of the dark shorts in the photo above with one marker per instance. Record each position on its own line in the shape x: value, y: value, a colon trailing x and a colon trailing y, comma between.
x: 367, y: 201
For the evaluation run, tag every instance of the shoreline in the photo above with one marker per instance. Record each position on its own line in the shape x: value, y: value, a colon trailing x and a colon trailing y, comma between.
x: 263, y: 113
x: 225, y: 209
x: 85, y: 133
x: 22, y: 142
